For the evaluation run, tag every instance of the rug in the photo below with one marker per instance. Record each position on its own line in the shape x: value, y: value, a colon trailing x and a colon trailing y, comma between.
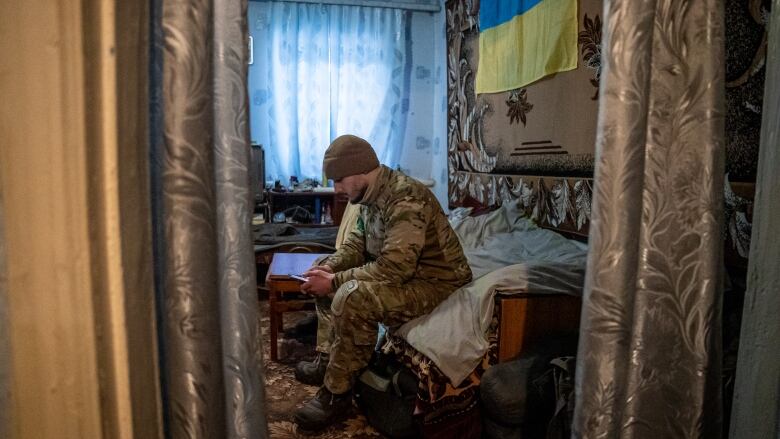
x: 284, y: 394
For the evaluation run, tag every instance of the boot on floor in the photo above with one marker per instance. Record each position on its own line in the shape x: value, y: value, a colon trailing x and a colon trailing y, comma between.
x: 312, y: 372
x: 306, y: 327
x: 323, y: 410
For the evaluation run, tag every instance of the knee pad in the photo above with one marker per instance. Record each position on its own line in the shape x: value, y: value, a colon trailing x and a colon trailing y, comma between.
x: 347, y: 293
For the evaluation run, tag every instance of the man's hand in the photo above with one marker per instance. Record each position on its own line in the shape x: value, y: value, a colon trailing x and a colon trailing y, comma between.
x: 319, y: 283
x: 324, y: 268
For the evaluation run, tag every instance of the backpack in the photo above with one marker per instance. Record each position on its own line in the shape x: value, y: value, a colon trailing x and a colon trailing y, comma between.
x: 563, y: 375
x: 386, y: 392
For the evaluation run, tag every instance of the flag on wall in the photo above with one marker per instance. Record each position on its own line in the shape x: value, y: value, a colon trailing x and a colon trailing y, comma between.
x: 521, y: 41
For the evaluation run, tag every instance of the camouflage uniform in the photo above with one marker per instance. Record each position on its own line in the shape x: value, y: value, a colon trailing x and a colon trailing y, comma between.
x: 399, y: 262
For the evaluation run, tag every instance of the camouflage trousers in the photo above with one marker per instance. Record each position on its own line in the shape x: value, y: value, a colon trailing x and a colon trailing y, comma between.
x: 348, y: 323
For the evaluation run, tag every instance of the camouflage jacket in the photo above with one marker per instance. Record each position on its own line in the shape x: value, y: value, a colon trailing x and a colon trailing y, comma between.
x: 401, y: 234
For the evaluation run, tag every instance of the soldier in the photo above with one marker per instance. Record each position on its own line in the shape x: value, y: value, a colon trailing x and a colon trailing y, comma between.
x: 399, y: 261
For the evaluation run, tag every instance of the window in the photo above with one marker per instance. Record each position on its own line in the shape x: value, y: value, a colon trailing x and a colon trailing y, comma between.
x: 321, y: 71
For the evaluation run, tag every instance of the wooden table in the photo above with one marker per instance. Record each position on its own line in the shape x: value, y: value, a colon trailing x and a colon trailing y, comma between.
x: 284, y: 293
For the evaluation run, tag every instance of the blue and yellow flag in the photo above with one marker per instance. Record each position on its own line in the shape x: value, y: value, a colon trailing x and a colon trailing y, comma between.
x: 521, y: 41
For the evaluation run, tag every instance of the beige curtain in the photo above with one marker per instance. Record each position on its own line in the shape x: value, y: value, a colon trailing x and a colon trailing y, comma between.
x: 5, y: 353
x: 649, y: 354
x: 756, y: 409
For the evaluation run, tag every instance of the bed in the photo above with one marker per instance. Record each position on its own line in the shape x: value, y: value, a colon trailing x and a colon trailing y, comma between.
x: 527, y: 283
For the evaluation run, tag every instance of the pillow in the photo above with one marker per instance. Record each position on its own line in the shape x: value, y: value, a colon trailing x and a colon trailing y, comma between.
x: 473, y: 230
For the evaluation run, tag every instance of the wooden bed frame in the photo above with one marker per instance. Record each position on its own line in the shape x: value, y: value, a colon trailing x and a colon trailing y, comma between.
x: 526, y: 318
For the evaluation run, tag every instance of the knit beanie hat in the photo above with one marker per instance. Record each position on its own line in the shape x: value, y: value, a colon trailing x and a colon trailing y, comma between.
x: 348, y: 155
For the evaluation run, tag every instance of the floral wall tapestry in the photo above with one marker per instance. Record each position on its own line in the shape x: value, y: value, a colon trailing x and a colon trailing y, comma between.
x: 549, y: 127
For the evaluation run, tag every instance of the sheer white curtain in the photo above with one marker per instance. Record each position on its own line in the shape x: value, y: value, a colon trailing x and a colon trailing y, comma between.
x: 321, y: 71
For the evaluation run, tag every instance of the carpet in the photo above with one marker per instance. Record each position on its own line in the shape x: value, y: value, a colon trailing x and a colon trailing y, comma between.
x: 284, y: 394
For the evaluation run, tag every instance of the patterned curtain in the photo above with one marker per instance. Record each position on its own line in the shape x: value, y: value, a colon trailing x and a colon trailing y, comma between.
x: 212, y: 381
x: 649, y: 356
x: 241, y: 339
x: 320, y: 71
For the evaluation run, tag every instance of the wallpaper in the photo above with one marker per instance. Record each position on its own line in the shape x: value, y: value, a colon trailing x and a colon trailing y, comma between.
x: 746, y: 43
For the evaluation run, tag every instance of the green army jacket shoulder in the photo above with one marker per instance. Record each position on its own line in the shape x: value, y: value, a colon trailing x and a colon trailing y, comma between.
x: 401, y: 234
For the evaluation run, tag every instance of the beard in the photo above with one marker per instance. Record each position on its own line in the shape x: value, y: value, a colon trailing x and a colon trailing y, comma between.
x: 359, y: 197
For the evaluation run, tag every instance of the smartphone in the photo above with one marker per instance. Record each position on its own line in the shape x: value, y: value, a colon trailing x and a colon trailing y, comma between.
x: 299, y: 277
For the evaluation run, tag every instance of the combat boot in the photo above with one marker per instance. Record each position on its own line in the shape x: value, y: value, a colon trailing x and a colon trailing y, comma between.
x: 306, y: 327
x: 323, y: 410
x: 312, y: 372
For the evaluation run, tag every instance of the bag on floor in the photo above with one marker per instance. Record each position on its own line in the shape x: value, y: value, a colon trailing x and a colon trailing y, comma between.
x: 386, y: 393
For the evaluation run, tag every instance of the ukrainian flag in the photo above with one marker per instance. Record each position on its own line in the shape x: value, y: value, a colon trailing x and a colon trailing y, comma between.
x: 521, y: 41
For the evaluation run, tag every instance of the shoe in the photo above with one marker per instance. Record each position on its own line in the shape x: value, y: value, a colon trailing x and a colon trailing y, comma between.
x: 312, y: 372
x: 305, y: 327
x: 323, y: 410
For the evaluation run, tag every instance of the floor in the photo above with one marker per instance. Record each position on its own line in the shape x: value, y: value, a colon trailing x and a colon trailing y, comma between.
x: 284, y: 394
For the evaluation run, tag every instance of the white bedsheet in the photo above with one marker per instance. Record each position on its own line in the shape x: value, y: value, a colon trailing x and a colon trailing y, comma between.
x: 508, y: 254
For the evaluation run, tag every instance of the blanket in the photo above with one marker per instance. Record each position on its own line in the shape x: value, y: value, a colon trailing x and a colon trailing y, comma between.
x: 508, y: 254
